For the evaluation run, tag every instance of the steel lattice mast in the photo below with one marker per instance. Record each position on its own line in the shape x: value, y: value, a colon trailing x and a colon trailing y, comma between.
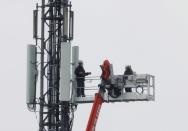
x: 55, y: 29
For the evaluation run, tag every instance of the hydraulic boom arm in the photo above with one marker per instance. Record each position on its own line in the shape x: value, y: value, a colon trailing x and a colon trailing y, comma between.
x: 95, y: 112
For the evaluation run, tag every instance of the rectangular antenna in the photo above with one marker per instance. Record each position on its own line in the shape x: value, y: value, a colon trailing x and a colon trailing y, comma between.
x: 31, y: 74
x: 35, y: 24
x: 71, y: 26
x: 65, y: 72
x: 75, y: 58
x: 65, y: 22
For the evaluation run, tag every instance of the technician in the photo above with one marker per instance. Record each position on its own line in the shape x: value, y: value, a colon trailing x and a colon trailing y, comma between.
x: 128, y: 71
x: 80, y: 78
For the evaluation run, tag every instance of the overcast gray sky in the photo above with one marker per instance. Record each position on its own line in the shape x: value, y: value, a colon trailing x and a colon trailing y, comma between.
x: 150, y: 35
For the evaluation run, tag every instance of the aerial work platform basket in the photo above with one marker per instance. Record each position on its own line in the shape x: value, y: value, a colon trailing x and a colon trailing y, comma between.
x: 142, y: 86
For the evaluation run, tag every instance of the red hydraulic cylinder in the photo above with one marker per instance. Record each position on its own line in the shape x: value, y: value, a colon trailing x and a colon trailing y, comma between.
x: 95, y: 112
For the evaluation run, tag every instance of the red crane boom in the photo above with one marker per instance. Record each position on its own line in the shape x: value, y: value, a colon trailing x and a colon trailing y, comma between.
x: 98, y: 98
x: 95, y: 112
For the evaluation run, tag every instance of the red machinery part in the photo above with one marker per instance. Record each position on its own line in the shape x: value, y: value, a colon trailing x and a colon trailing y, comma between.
x: 94, y: 112
x: 105, y: 70
x: 98, y: 98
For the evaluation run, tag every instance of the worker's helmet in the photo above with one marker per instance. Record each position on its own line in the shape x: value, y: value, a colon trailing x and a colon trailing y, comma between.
x: 80, y: 62
x: 128, y: 67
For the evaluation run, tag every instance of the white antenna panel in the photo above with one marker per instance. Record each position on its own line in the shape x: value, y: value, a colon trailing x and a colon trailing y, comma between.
x: 31, y: 74
x: 65, y: 71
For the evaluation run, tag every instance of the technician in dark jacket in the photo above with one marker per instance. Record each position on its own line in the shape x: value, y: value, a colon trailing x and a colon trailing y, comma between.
x: 80, y: 79
x: 128, y: 71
